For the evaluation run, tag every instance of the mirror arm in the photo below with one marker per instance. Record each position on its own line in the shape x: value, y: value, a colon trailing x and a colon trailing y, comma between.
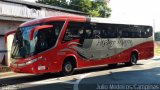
x: 37, y: 29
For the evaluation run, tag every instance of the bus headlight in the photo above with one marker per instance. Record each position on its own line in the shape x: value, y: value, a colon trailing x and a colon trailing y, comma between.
x: 32, y: 61
x: 27, y: 63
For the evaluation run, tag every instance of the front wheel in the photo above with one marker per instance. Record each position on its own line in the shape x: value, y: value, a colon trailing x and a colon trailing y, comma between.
x: 67, y: 68
x: 133, y: 60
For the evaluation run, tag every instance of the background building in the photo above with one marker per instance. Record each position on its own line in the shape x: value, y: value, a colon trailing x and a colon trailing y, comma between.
x: 15, y: 12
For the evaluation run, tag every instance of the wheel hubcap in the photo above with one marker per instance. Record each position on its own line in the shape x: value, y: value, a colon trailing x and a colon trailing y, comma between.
x: 68, y: 68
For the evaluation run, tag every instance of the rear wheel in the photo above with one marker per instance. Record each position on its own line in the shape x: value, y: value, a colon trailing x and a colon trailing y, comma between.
x: 67, y: 68
x: 133, y: 59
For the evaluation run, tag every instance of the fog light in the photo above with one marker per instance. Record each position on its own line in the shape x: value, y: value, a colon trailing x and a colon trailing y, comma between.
x: 41, y: 67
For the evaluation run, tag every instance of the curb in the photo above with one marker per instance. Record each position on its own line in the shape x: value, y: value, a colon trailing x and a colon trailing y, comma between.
x: 2, y: 74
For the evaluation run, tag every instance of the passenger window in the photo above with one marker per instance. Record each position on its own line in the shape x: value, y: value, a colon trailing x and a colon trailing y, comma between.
x: 102, y: 30
x: 130, y: 31
x: 74, y: 31
x: 157, y: 36
x: 126, y: 33
x: 96, y: 33
x: 135, y: 31
x: 104, y: 33
x: 146, y: 32
x: 88, y: 34
x: 111, y: 31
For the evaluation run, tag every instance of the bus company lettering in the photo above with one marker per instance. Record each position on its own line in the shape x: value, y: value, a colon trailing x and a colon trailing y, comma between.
x: 124, y: 43
x: 111, y: 43
x: 106, y: 42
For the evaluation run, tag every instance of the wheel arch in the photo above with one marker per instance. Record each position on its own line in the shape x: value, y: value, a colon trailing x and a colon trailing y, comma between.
x: 71, y: 58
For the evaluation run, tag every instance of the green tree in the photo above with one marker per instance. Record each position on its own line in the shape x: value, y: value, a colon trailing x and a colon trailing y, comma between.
x: 81, y: 5
x: 102, y: 6
x: 95, y: 8
x: 60, y: 3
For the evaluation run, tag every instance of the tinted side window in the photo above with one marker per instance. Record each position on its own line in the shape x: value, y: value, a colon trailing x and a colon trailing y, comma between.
x: 124, y: 31
x: 135, y: 31
x: 146, y: 32
x: 102, y: 30
x: 97, y: 33
x: 129, y: 31
x: 74, y: 30
x: 88, y: 33
x: 111, y: 31
x: 157, y: 36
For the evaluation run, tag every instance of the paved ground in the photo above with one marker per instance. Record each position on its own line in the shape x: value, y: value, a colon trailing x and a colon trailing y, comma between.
x: 143, y: 76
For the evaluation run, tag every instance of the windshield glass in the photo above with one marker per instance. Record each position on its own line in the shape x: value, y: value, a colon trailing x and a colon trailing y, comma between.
x: 44, y: 39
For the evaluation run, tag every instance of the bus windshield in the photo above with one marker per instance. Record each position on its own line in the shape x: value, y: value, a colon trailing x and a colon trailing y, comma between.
x: 23, y: 47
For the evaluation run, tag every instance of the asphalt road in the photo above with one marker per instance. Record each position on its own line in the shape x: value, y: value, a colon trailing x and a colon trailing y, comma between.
x: 143, y: 76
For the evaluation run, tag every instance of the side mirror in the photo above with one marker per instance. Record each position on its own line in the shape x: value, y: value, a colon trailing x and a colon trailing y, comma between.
x: 7, y: 34
x: 37, y: 29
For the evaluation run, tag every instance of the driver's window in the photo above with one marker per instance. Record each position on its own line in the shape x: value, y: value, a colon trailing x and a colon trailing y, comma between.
x: 47, y: 38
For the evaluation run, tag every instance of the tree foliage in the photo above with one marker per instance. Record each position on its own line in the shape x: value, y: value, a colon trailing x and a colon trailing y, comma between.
x: 95, y: 8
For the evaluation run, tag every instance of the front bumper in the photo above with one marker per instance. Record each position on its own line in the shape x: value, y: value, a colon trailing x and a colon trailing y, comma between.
x: 23, y: 69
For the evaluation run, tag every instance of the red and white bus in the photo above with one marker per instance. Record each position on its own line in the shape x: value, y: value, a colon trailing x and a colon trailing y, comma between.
x: 64, y: 43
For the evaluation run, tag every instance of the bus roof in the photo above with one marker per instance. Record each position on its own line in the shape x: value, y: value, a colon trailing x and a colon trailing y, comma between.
x: 92, y: 20
x: 138, y: 21
x: 51, y: 18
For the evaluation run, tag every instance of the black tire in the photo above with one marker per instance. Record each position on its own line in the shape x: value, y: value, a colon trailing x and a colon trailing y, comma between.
x: 67, y: 68
x: 133, y: 60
